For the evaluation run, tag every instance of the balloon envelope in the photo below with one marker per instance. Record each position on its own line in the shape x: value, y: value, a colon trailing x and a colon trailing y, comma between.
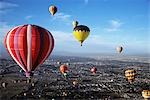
x: 130, y: 74
x: 63, y: 69
x: 146, y: 94
x: 29, y: 45
x: 53, y: 9
x: 119, y: 49
x: 93, y: 70
x: 75, y: 23
x: 81, y: 32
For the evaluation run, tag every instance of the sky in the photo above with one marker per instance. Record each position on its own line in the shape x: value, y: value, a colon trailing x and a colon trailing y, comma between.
x: 112, y: 23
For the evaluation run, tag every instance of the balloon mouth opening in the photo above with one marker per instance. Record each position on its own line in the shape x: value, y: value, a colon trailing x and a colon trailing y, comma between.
x: 29, y: 74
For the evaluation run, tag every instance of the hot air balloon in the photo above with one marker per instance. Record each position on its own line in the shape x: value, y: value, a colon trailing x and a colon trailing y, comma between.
x: 53, y: 10
x: 119, y: 49
x: 146, y: 94
x: 75, y: 23
x: 4, y: 85
x: 75, y: 82
x: 81, y: 32
x: 93, y: 70
x: 29, y: 45
x: 130, y: 75
x: 63, y: 69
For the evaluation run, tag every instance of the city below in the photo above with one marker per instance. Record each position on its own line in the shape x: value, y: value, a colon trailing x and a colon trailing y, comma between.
x: 108, y: 83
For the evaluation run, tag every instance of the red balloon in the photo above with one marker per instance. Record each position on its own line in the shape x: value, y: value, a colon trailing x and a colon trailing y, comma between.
x: 29, y: 45
x: 63, y: 69
x: 93, y: 70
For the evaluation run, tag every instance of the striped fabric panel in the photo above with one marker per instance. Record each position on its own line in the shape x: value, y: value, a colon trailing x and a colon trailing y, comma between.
x: 46, y: 46
x: 10, y: 43
x: 29, y: 48
x: 51, y: 46
x: 22, y: 45
x: 29, y: 45
x: 16, y: 48
x: 35, y: 45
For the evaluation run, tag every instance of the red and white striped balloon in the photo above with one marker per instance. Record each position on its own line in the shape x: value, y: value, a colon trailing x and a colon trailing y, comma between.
x: 29, y: 45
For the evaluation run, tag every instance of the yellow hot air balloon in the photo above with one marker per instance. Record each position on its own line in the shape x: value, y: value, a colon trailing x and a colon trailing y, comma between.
x: 146, y: 94
x: 81, y: 32
x: 130, y: 75
x: 119, y: 49
x: 75, y: 23
x: 53, y: 10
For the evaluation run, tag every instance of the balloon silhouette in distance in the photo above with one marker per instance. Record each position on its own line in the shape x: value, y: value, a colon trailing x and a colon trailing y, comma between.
x: 75, y: 23
x: 53, y: 10
x: 64, y: 69
x: 119, y: 49
x: 93, y: 70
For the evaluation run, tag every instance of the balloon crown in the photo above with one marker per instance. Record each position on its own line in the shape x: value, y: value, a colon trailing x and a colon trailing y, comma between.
x: 81, y: 28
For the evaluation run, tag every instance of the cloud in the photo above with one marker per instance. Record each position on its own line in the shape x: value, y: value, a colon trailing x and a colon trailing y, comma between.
x: 114, y: 26
x: 65, y: 41
x: 28, y: 17
x: 62, y: 17
x: 4, y: 27
x: 61, y: 36
x: 5, y: 6
x: 3, y: 30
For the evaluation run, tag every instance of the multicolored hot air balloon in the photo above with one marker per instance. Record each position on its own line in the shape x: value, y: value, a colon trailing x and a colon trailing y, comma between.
x: 146, y: 94
x: 75, y: 23
x: 29, y: 45
x: 130, y: 75
x: 53, y: 10
x: 63, y: 69
x: 119, y: 49
x: 93, y: 70
x: 81, y: 32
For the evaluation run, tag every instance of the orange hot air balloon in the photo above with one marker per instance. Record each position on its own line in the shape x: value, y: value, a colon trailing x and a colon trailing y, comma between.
x: 53, y: 10
x: 146, y: 94
x: 63, y: 69
x: 93, y: 70
x: 130, y: 75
